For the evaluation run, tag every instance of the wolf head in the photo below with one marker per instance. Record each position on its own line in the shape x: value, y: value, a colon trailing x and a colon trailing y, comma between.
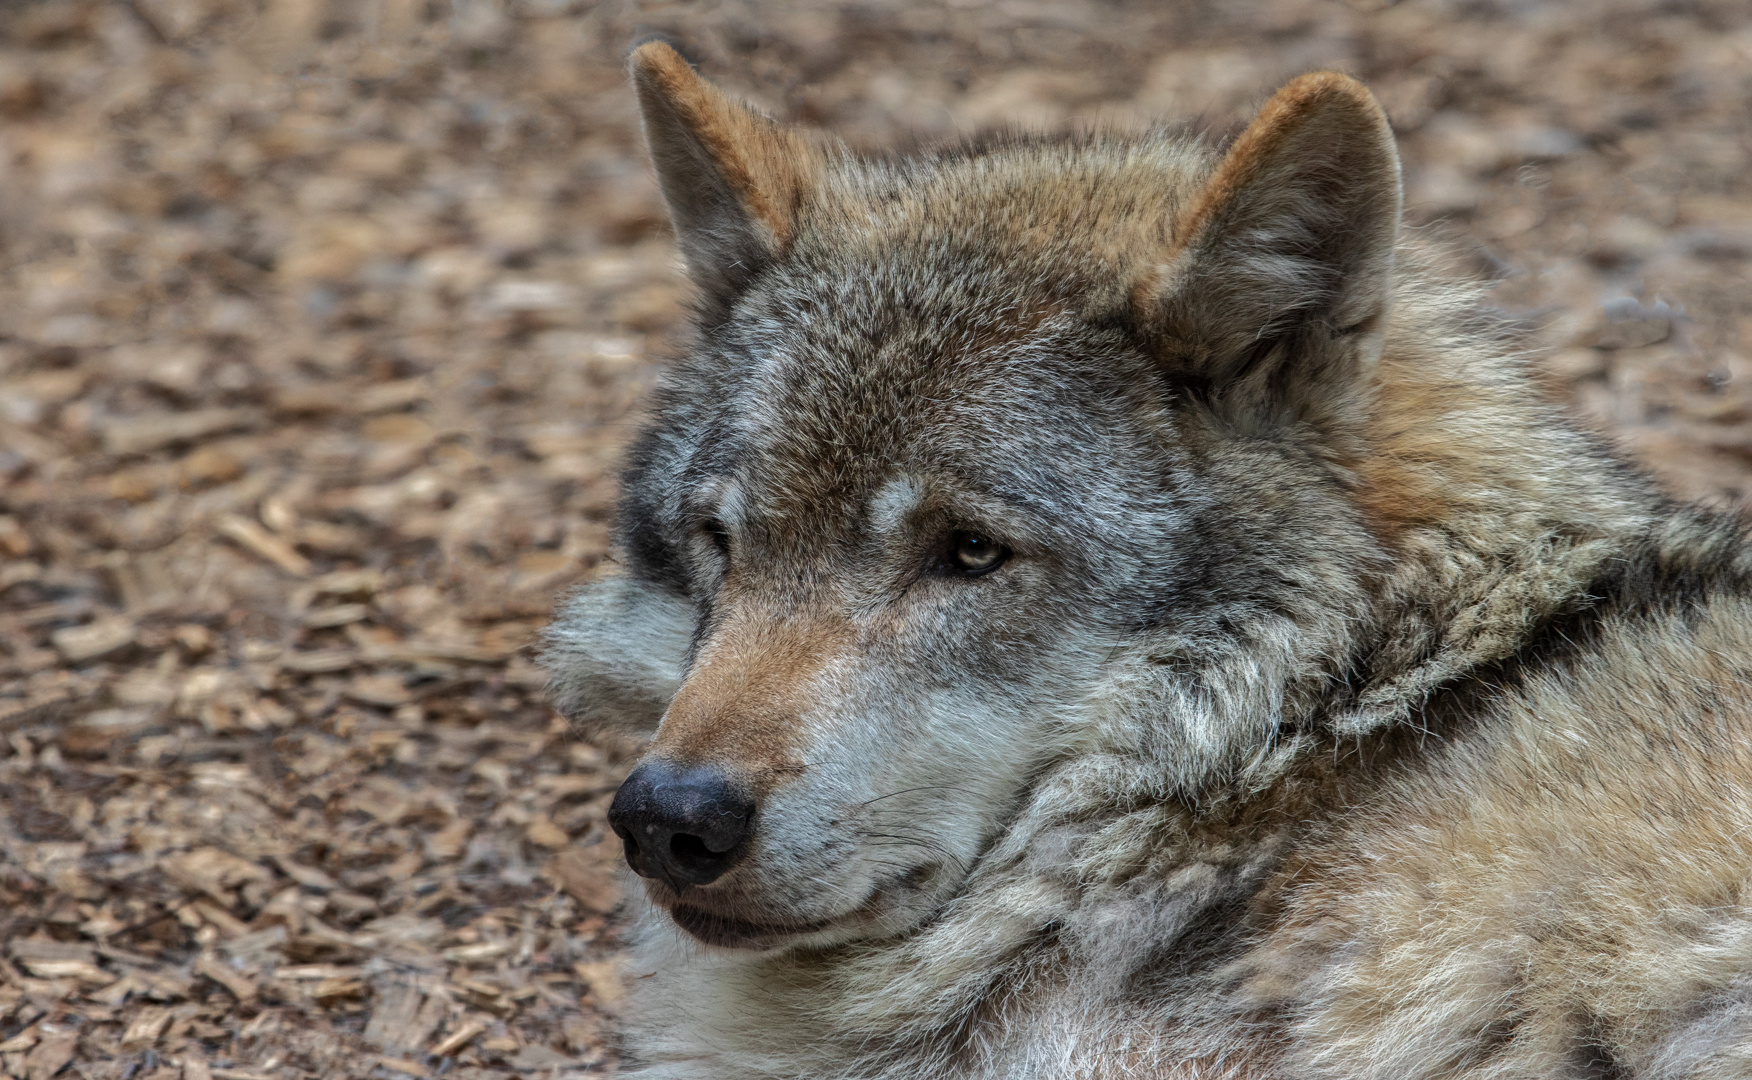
x: 1023, y: 453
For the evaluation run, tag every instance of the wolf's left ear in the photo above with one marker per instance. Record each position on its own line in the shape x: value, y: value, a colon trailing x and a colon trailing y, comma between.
x: 732, y: 178
x: 1285, y: 255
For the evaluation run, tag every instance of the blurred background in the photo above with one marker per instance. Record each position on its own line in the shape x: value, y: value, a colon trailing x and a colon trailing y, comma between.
x: 322, y: 323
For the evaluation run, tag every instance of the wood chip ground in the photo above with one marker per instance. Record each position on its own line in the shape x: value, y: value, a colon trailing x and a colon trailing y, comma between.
x: 322, y: 323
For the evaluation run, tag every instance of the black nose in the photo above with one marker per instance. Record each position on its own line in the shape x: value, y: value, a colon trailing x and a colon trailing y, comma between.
x: 686, y: 825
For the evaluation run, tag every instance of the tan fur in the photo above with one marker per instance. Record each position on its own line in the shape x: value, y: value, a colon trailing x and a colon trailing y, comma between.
x: 1301, y: 111
x: 1341, y: 713
x: 743, y: 704
x: 1295, y: 130
x: 763, y: 169
x: 1580, y: 866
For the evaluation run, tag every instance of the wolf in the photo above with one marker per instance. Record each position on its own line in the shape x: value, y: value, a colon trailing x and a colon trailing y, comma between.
x: 1121, y: 606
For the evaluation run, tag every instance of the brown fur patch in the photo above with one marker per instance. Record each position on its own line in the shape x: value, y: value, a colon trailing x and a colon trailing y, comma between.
x: 769, y: 168
x: 742, y: 704
x: 1323, y: 95
x: 1405, y: 479
x: 1337, y: 101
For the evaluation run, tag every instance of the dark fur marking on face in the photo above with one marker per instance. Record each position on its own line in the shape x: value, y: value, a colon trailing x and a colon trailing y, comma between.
x: 638, y: 531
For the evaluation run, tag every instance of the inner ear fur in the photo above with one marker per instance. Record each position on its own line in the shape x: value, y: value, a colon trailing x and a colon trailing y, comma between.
x: 1283, y: 259
x: 733, y: 178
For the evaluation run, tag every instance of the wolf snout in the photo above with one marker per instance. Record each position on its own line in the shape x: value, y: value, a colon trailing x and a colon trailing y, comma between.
x: 684, y: 824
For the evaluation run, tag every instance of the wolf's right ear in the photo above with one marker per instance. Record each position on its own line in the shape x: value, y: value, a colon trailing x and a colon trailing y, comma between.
x: 1279, y: 270
x: 732, y: 178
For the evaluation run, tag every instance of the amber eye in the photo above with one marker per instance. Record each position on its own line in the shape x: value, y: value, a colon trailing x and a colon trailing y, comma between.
x: 974, y: 554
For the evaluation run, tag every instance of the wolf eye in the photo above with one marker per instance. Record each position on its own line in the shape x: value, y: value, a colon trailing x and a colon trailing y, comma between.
x: 973, y: 554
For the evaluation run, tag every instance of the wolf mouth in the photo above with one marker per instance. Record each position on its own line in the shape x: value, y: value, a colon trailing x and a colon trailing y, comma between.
x: 730, y: 933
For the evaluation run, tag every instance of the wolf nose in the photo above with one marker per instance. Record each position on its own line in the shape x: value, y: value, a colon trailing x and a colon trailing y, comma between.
x: 686, y: 825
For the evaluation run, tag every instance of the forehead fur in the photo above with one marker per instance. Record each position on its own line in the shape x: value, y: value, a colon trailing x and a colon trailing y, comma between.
x: 931, y: 314
x: 1064, y: 217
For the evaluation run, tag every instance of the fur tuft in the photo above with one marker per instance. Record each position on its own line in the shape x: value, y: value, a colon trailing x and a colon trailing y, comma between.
x: 617, y: 652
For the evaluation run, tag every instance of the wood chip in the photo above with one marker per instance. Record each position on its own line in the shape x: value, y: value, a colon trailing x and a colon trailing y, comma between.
x: 260, y: 542
x: 143, y: 434
x: 146, y: 1028
x: 388, y: 691
x: 403, y: 1017
x: 586, y: 877
x: 604, y: 979
x: 536, y: 1057
x: 93, y: 641
x: 484, y: 995
x: 392, y: 395
x: 241, y: 986
x: 125, y: 956
x: 23, y: 1041
x: 215, y: 872
x: 308, y: 876
x: 50, y: 1055
x: 131, y: 983
x: 345, y: 583
x: 316, y: 971
x: 479, y: 953
x: 344, y: 988
x: 320, y: 661
x: 257, y: 947
x: 82, y: 971
x: 542, y: 832
x: 17, y: 573
x: 339, y: 615
x: 461, y: 1037
x: 34, y: 949
x: 317, y: 398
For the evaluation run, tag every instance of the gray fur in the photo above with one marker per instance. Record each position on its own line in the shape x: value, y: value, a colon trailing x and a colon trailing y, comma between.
x: 618, y: 651
x: 1310, y: 599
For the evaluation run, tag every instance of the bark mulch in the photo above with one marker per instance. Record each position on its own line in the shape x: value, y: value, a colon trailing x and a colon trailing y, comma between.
x: 321, y: 326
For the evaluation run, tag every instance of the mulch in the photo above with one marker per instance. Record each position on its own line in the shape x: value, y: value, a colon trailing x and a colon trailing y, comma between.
x: 322, y: 325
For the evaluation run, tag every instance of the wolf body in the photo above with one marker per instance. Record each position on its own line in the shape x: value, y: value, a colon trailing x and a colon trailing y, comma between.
x: 1135, y: 616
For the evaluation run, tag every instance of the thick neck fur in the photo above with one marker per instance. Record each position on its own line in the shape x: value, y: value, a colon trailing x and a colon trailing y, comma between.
x: 1495, y: 512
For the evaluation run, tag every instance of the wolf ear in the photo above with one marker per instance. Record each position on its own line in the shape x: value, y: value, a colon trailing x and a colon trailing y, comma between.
x: 1284, y: 257
x: 732, y: 178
